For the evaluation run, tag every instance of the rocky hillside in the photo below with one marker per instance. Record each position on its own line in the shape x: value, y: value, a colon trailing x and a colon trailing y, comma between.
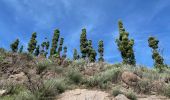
x: 24, y: 77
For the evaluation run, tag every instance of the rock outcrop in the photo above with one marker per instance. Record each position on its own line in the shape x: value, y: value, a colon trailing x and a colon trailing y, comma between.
x: 130, y: 78
x: 83, y: 94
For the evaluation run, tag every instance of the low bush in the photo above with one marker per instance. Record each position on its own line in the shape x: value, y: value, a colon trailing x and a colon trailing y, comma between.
x: 144, y: 86
x: 167, y: 91
x: 104, y: 79
x: 116, y: 91
x: 131, y: 96
x: 74, y: 75
x: 50, y: 89
x: 41, y: 66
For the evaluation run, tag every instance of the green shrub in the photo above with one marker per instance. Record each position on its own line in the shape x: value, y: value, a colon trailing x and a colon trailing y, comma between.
x: 116, y: 91
x: 131, y: 96
x: 109, y: 75
x: 144, y: 86
x: 24, y: 95
x: 75, y: 76
x: 167, y: 91
x: 1, y: 58
x: 103, y: 80
x: 92, y: 81
x: 17, y: 92
x: 50, y: 89
x: 41, y: 66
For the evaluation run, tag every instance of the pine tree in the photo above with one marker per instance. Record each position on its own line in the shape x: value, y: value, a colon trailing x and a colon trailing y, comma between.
x: 65, y: 52
x: 83, y: 43
x: 60, y: 46
x: 44, y: 48
x: 101, y: 50
x: 32, y: 44
x: 54, y: 42
x: 125, y: 46
x: 89, y: 48
x: 37, y: 50
x: 158, y: 59
x: 21, y: 49
x: 75, y: 54
x: 91, y: 52
x: 14, y: 45
x: 47, y: 45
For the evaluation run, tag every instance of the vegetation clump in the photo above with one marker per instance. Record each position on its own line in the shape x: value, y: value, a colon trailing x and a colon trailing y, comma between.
x: 14, y: 46
x: 125, y: 46
x: 158, y: 59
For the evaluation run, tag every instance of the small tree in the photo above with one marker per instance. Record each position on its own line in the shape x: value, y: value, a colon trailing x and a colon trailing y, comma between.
x: 32, y: 44
x: 75, y: 54
x: 14, y: 45
x: 21, y: 49
x: 44, y: 48
x: 54, y: 42
x: 158, y: 59
x: 65, y: 52
x: 101, y: 50
x: 37, y: 50
x: 125, y: 46
x: 83, y: 43
x: 60, y: 46
x: 91, y: 52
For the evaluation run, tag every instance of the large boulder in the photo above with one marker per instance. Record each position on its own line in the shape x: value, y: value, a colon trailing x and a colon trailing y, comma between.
x: 121, y: 97
x: 83, y: 94
x: 130, y: 78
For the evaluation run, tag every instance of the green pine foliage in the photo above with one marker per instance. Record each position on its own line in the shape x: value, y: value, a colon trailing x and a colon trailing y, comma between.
x: 32, y: 44
x: 65, y: 52
x: 44, y: 48
x: 158, y: 59
x: 60, y: 46
x: 14, y: 45
x: 75, y: 55
x: 101, y: 50
x: 83, y: 43
x: 21, y: 49
x: 37, y: 50
x: 54, y: 42
x: 125, y: 46
x: 91, y: 52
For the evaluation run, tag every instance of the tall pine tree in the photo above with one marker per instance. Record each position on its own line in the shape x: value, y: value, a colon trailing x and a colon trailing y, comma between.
x: 83, y: 44
x: 21, y: 49
x: 44, y: 47
x: 14, y: 45
x: 60, y: 46
x: 65, y: 52
x: 125, y: 46
x: 158, y: 59
x: 37, y: 50
x: 75, y: 54
x: 91, y: 52
x: 54, y: 42
x: 101, y: 50
x: 32, y: 44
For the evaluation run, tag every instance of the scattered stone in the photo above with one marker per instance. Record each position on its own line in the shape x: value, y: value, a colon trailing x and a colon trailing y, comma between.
x: 121, y: 97
x: 2, y: 92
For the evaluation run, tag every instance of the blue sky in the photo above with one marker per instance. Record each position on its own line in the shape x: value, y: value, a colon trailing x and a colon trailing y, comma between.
x: 141, y: 18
